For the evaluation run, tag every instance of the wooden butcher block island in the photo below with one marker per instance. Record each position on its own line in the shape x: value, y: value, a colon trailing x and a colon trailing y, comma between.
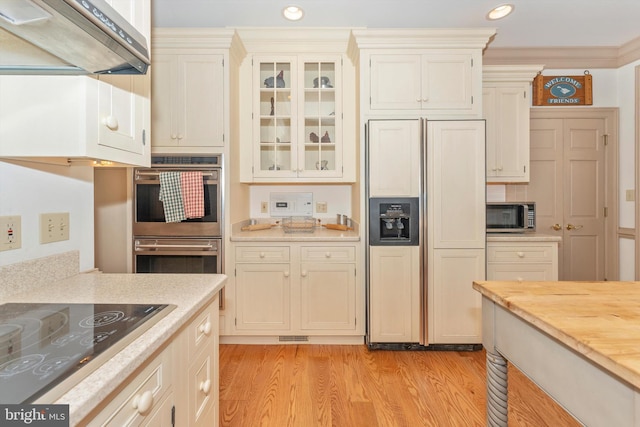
x: 579, y: 341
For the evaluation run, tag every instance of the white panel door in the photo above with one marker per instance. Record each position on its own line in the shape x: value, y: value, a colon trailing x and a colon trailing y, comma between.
x: 394, y: 158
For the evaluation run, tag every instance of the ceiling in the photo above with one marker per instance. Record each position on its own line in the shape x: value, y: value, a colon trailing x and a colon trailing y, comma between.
x: 534, y: 23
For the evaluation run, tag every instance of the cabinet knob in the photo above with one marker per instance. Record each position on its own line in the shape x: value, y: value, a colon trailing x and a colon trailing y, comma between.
x: 286, y: 274
x: 262, y: 255
x: 174, y: 136
x: 327, y: 255
x: 520, y: 279
x: 520, y: 254
x: 304, y: 273
x: 110, y: 122
x: 180, y: 136
x: 556, y: 227
x: 205, y: 328
x: 205, y: 386
x: 142, y: 402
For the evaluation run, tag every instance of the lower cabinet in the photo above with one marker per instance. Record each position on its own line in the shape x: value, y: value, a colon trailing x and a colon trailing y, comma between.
x: 297, y: 289
x: 179, y: 387
x: 522, y: 260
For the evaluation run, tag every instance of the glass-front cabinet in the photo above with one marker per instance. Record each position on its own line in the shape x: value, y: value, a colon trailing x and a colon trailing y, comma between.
x: 298, y: 131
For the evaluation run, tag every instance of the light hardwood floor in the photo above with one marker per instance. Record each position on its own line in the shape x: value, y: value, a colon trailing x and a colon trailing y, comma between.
x: 351, y: 386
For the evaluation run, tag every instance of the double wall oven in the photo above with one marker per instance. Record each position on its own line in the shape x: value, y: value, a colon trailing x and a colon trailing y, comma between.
x: 190, y: 246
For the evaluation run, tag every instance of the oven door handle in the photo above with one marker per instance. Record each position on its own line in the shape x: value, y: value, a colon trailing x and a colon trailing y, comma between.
x: 157, y: 246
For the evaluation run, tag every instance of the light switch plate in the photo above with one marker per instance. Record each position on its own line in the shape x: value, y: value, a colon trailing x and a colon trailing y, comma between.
x: 10, y: 233
x: 54, y: 227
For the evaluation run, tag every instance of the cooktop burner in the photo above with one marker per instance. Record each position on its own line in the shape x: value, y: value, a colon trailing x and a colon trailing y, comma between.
x: 44, y: 345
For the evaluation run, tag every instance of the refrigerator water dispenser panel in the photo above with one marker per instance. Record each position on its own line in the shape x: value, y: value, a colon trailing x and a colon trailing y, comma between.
x: 291, y: 204
x: 394, y: 221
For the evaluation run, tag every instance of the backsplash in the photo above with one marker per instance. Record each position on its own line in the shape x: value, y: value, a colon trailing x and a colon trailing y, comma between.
x: 336, y: 198
x: 27, y: 275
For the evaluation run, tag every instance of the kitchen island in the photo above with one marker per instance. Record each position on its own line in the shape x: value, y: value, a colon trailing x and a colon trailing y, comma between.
x: 195, y: 297
x: 578, y: 341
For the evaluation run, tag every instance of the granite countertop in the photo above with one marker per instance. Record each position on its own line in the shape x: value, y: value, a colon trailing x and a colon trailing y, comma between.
x: 277, y: 234
x: 522, y: 237
x: 126, y: 289
x: 596, y: 319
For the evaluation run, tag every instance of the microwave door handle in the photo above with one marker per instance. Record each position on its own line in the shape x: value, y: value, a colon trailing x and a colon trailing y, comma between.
x: 525, y: 216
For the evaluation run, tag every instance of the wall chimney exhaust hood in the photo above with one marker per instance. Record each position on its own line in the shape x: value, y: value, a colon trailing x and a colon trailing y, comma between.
x: 68, y: 37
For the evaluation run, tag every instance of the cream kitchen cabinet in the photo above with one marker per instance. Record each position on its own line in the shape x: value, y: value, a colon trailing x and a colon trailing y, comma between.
x: 522, y: 260
x: 431, y: 82
x: 75, y: 117
x: 394, y: 294
x: 188, y: 100
x: 180, y: 386
x: 297, y: 114
x: 506, y: 104
x: 295, y: 290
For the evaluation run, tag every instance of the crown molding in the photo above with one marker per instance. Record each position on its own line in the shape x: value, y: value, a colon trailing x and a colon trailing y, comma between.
x: 510, y: 73
x: 565, y: 57
x: 422, y: 38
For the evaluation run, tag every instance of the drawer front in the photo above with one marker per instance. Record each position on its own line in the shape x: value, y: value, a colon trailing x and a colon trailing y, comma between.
x: 521, y: 272
x: 203, y: 330
x: 328, y: 253
x: 262, y: 253
x: 202, y: 390
x: 141, y: 397
x: 540, y: 253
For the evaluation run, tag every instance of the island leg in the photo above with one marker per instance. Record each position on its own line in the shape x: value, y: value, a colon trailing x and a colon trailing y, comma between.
x: 496, y: 390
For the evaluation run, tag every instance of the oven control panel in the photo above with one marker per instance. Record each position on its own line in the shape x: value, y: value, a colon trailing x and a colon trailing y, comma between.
x: 290, y: 204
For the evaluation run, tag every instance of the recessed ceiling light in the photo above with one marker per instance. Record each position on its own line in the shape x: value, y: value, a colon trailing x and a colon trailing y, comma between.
x: 500, y: 12
x: 293, y: 13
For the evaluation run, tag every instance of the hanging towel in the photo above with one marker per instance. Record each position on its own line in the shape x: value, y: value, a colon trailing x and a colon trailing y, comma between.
x: 171, y: 196
x: 192, y: 194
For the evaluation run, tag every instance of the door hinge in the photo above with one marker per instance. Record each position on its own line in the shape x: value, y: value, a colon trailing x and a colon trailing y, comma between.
x: 222, y: 62
x: 524, y: 168
x: 606, y: 211
x: 471, y: 62
x: 235, y: 272
x: 235, y: 321
x: 173, y: 416
x: 472, y: 100
x: 144, y: 137
x: 524, y: 94
x: 606, y: 139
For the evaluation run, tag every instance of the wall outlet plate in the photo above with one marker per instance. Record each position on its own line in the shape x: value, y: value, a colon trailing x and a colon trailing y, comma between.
x: 10, y: 233
x: 321, y: 207
x: 54, y: 227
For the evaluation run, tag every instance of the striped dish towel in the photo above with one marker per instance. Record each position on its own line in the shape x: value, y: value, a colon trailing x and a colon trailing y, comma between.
x: 192, y: 194
x: 171, y: 196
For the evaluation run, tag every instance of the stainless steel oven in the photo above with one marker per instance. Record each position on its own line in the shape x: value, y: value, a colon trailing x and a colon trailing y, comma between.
x: 177, y: 255
x: 149, y: 219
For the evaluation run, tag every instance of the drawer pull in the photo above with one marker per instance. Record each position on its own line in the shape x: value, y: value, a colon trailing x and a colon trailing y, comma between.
x: 205, y: 328
x: 328, y: 255
x: 520, y: 279
x: 142, y: 403
x: 304, y: 273
x: 205, y: 386
x: 286, y: 274
x: 520, y: 254
x: 262, y: 255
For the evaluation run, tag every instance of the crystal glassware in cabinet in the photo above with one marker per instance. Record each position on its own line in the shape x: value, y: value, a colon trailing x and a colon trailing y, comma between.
x: 319, y: 116
x: 275, y: 121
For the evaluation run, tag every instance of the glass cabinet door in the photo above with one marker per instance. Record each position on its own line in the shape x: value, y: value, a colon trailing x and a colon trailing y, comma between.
x: 319, y: 140
x: 276, y: 146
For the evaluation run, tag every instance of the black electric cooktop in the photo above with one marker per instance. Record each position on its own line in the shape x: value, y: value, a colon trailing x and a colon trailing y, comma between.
x: 48, y: 347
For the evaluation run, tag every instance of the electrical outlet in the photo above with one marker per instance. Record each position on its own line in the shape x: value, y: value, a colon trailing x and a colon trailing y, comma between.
x: 54, y: 227
x: 264, y: 207
x: 630, y: 195
x: 321, y: 207
x: 10, y: 233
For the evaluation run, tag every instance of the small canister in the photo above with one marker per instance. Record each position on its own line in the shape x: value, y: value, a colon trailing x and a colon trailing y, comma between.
x: 341, y: 219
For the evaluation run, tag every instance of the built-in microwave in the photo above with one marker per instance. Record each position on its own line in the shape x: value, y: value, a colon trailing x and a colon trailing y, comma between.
x: 511, y: 217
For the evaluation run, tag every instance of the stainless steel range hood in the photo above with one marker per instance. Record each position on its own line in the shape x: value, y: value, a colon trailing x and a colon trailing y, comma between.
x: 68, y: 37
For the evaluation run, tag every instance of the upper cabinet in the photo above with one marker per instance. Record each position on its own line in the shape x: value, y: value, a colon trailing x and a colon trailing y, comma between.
x: 297, y: 117
x: 300, y: 126
x: 190, y: 80
x: 435, y: 73
x: 434, y: 82
x: 188, y: 102
x: 506, y: 104
x: 105, y: 118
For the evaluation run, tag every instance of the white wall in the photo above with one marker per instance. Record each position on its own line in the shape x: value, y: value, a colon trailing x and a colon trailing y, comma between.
x: 29, y: 189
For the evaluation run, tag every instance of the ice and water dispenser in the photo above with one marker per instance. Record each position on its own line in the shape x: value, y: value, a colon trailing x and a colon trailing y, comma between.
x: 394, y: 221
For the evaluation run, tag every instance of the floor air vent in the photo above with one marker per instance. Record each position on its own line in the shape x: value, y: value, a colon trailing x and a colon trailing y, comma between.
x: 289, y: 338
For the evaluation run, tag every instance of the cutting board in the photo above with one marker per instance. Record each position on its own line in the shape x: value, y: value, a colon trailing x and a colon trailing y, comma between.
x: 254, y: 227
x: 337, y: 227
